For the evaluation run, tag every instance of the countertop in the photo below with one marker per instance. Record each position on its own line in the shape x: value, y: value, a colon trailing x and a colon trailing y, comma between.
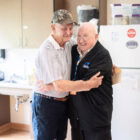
x: 15, y: 89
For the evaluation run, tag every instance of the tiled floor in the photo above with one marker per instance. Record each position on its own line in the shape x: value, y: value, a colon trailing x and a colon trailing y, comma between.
x: 15, y: 135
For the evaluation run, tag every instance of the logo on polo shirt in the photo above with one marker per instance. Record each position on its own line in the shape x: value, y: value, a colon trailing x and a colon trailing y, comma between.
x: 86, y: 65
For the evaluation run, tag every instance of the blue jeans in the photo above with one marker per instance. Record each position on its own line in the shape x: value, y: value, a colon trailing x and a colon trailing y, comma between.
x: 49, y: 118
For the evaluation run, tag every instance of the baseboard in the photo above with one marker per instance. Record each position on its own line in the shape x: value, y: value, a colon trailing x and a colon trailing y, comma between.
x: 17, y: 126
x: 5, y: 127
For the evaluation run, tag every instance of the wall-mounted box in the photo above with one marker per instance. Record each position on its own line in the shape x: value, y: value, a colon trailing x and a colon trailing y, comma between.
x: 2, y: 53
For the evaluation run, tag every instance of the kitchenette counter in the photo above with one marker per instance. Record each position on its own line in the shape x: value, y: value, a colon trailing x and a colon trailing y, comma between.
x: 15, y: 89
x: 21, y: 92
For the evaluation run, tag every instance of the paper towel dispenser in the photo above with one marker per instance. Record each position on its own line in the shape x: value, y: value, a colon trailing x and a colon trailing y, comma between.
x: 2, y: 53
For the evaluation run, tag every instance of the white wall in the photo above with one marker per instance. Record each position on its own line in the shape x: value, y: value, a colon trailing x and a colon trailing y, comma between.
x: 23, y: 116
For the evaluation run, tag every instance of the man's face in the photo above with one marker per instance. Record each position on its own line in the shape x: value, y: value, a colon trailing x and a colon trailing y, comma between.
x: 63, y: 32
x: 86, y: 39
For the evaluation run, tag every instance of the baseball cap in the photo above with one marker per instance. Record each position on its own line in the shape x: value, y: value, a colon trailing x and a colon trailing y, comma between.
x: 62, y: 16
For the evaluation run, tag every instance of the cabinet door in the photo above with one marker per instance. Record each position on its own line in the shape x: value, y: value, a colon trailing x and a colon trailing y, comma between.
x: 4, y: 109
x: 10, y: 23
x: 36, y: 18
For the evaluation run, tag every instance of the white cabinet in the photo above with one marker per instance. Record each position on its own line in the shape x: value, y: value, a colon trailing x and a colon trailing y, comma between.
x: 36, y: 21
x: 24, y: 23
x: 10, y: 23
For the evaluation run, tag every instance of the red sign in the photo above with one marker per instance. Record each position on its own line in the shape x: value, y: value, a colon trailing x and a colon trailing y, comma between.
x: 131, y: 33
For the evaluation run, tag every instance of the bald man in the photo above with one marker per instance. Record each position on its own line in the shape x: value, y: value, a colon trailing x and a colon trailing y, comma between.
x: 91, y: 111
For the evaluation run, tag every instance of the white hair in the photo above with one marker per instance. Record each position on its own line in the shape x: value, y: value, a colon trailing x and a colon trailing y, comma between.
x: 90, y: 24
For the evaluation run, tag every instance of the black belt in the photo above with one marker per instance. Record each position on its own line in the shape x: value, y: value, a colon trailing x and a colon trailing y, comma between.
x: 52, y: 98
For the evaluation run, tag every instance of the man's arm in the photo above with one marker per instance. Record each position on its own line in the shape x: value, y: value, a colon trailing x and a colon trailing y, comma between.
x: 67, y: 85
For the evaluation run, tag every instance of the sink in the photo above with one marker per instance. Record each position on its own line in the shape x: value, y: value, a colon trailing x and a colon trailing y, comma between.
x: 21, y: 92
x: 17, y: 89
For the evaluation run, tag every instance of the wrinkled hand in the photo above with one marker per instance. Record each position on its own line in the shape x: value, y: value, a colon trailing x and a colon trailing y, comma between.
x: 43, y: 87
x: 96, y: 80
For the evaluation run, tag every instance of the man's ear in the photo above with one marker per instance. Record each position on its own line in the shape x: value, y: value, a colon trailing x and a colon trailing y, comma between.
x: 96, y: 36
x: 53, y: 27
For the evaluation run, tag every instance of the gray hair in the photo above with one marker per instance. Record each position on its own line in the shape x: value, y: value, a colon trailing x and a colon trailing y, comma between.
x: 93, y: 26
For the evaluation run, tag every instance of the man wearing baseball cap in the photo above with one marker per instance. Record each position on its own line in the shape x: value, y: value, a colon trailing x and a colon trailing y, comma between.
x: 53, y: 63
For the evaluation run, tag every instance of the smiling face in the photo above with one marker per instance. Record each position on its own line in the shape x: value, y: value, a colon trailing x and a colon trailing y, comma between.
x: 62, y: 32
x: 87, y: 36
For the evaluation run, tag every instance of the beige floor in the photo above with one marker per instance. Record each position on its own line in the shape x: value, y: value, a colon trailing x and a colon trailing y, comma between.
x: 15, y: 135
x: 22, y: 135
